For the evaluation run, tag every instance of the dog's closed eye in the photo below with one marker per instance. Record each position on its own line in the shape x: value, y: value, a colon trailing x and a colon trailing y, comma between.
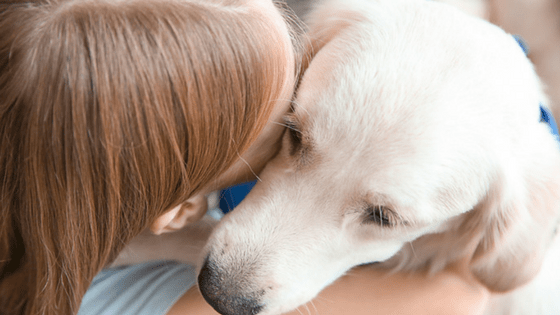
x: 380, y: 215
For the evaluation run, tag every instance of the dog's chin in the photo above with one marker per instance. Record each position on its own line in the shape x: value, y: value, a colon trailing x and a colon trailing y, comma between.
x: 296, y: 295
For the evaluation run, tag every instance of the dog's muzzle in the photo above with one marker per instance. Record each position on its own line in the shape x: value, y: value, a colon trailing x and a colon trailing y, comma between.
x: 226, y: 297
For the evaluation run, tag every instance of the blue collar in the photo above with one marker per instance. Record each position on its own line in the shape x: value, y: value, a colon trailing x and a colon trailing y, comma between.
x: 546, y: 116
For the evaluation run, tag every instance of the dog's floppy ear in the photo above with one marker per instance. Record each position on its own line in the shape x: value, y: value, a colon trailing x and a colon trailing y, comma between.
x: 514, y: 225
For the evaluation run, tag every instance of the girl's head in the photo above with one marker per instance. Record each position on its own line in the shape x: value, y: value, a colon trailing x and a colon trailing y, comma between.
x: 112, y: 113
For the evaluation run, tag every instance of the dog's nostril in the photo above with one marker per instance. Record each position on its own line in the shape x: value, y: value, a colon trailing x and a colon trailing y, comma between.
x: 225, y: 299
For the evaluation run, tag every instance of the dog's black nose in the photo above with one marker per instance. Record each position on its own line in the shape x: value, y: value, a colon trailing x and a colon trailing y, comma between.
x: 225, y: 298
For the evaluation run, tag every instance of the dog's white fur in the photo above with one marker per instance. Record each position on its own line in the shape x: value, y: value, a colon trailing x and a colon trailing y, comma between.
x: 419, y: 108
x: 537, y: 21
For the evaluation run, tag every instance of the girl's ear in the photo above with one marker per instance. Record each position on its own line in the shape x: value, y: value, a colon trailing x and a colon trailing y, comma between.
x: 175, y: 219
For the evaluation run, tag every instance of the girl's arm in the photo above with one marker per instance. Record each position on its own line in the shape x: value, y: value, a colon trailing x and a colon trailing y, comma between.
x: 366, y: 289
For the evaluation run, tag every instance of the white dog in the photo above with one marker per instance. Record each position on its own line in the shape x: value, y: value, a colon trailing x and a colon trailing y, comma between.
x: 414, y: 122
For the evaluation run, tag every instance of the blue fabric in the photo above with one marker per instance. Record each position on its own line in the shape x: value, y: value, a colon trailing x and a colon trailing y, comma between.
x: 546, y: 117
x: 522, y: 44
x: 144, y: 289
x: 232, y: 196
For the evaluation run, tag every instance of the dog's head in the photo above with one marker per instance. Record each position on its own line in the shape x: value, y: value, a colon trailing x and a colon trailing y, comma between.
x: 415, y: 130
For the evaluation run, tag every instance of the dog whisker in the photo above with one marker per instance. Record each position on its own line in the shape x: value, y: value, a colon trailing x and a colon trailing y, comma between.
x: 320, y: 299
x: 350, y: 273
x: 250, y: 168
x: 314, y: 307
x: 412, y: 249
x: 302, y: 107
x: 285, y: 125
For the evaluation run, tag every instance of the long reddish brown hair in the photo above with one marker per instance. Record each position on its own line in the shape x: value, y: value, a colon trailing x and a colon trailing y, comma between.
x: 112, y: 112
